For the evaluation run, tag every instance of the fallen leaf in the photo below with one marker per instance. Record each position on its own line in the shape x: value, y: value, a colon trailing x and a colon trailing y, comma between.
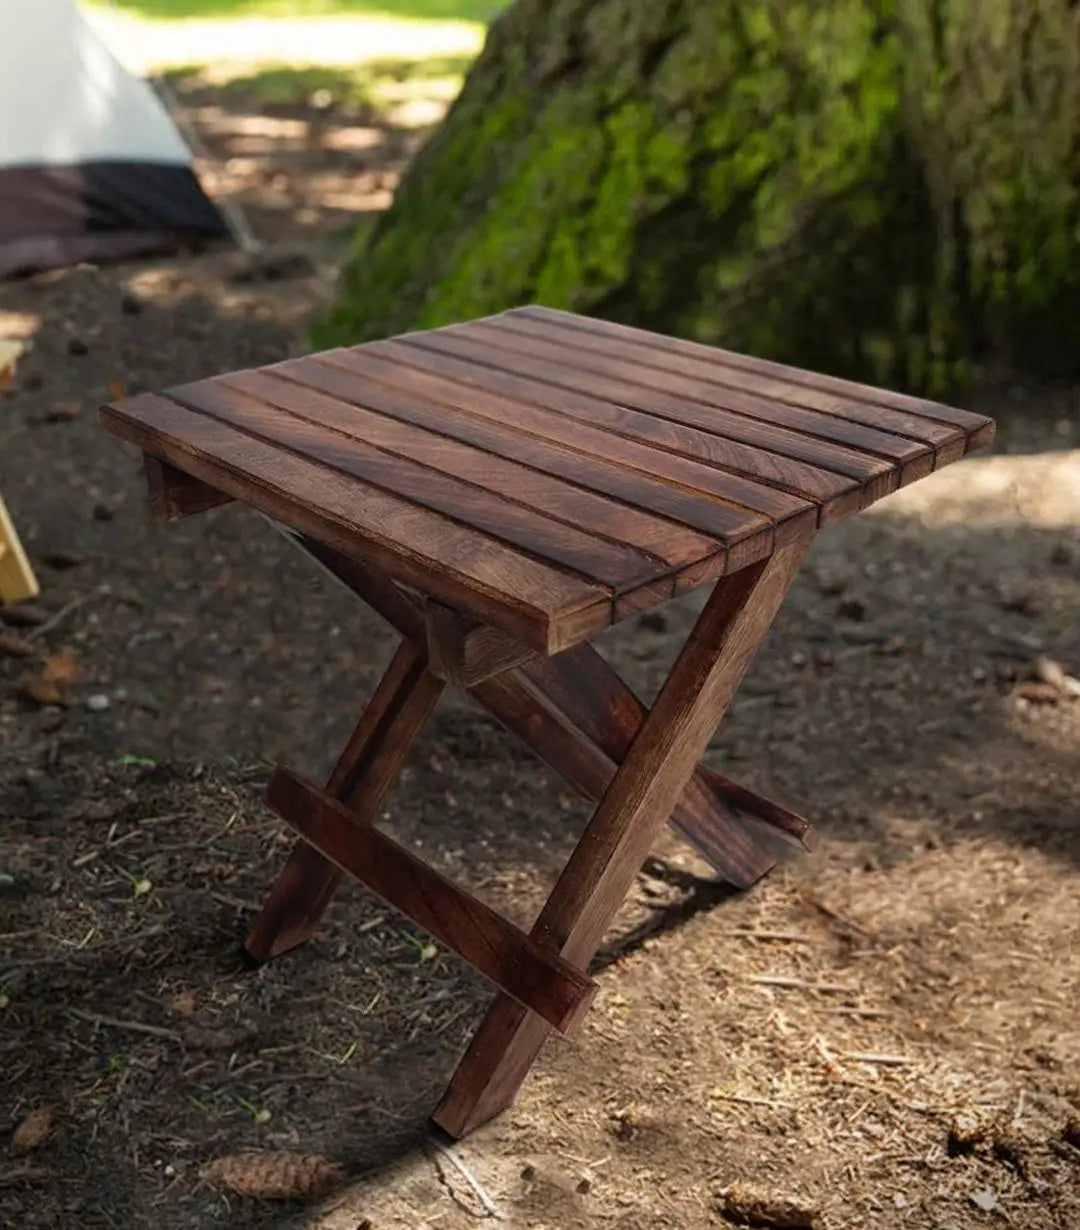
x: 41, y: 691
x: 269, y: 1175
x: 32, y: 1131
x: 115, y: 389
x: 184, y: 1002
x: 61, y: 668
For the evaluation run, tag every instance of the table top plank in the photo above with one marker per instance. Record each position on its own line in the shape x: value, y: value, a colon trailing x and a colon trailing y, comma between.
x: 544, y: 473
x: 546, y: 410
x: 869, y: 430
x: 324, y: 430
x: 425, y: 431
x: 847, y: 393
x: 545, y: 607
x: 509, y: 427
x: 610, y: 404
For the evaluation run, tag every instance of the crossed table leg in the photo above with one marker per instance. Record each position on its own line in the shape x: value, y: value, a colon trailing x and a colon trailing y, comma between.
x: 578, y: 716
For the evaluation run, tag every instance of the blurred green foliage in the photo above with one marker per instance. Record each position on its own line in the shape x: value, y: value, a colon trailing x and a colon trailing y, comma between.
x: 887, y: 188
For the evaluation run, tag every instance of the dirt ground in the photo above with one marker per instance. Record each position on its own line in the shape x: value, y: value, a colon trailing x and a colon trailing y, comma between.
x: 886, y: 1031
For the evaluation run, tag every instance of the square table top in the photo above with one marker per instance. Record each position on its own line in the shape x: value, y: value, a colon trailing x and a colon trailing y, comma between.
x: 546, y: 472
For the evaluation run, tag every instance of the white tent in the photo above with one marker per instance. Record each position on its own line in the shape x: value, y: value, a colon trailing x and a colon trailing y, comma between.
x: 91, y: 165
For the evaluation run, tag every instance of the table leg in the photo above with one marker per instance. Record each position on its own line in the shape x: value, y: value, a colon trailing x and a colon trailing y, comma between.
x: 366, y: 770
x: 642, y: 794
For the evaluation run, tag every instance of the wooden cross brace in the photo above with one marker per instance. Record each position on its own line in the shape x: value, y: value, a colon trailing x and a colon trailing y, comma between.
x: 641, y: 767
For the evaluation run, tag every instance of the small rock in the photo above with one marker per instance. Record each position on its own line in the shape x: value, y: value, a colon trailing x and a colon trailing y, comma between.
x: 967, y: 1131
x: 985, y: 1200
x: 23, y: 615
x: 76, y: 346
x: 979, y: 674
x: 32, y: 1131
x: 1070, y: 1133
x: 584, y: 1185
x: 102, y: 512
x: 98, y: 702
x: 852, y: 608
x: 528, y: 1172
x: 798, y: 659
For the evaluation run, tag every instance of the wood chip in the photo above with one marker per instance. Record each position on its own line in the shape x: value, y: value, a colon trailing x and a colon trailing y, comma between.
x: 270, y: 1175
x: 750, y: 1206
x: 32, y: 1131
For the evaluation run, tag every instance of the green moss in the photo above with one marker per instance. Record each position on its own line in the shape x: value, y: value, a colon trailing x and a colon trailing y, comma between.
x: 884, y: 187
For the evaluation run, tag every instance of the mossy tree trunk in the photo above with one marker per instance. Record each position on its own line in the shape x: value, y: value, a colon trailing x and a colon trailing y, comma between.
x: 888, y: 188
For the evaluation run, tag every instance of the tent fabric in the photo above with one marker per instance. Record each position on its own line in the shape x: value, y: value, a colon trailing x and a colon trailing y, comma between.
x: 91, y: 165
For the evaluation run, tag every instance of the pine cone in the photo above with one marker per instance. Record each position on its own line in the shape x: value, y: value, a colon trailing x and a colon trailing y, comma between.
x: 268, y: 1175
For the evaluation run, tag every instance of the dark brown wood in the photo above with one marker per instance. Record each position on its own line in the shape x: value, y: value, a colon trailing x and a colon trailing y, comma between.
x: 548, y: 608
x: 845, y: 393
x: 582, y: 418
x: 654, y: 773
x: 758, y: 442
x: 873, y: 430
x: 173, y: 494
x: 532, y: 976
x: 440, y: 439
x: 464, y: 651
x: 579, y: 718
x: 479, y: 417
x: 315, y: 427
x: 365, y: 772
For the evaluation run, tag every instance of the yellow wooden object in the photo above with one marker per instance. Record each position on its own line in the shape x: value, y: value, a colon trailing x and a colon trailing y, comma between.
x: 17, y: 580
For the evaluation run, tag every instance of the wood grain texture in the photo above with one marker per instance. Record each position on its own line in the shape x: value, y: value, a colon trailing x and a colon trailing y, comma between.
x: 534, y: 977
x: 552, y: 480
x: 584, y: 419
x: 650, y: 779
x: 549, y: 609
x: 326, y: 431
x: 17, y: 580
x: 464, y: 651
x: 173, y: 494
x: 508, y: 428
x: 696, y: 417
x: 978, y: 428
x: 365, y: 772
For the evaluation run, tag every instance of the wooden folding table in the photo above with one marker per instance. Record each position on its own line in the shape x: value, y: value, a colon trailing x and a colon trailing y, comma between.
x: 501, y: 491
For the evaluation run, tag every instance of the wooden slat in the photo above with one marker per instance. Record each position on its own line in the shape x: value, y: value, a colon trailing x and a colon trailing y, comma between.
x: 17, y: 580
x: 547, y: 608
x: 754, y: 476
x: 598, y: 874
x: 173, y: 494
x: 535, y: 977
x: 322, y: 429
x: 415, y: 393
x: 792, y: 515
x: 365, y: 772
x: 977, y: 427
x: 754, y: 409
x: 360, y: 416
x: 754, y: 430
x: 565, y: 730
x: 877, y: 430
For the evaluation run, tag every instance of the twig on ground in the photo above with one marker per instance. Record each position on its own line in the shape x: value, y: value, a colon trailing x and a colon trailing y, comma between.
x: 138, y: 1027
x: 797, y: 984
x: 489, y: 1206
